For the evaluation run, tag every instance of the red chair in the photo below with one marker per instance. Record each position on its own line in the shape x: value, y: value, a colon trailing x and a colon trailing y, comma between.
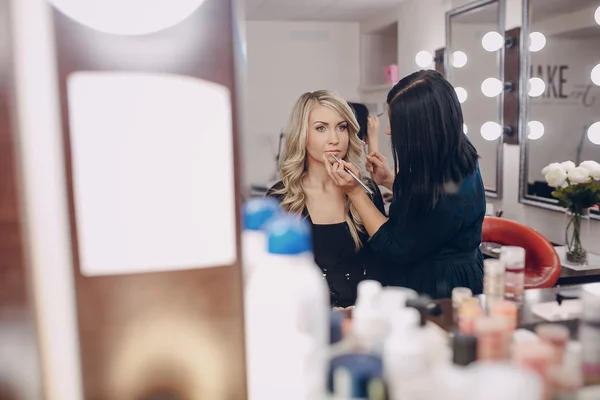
x: 542, y: 264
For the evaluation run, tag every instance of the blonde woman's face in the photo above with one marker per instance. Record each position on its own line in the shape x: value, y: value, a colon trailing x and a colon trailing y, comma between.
x: 327, y: 134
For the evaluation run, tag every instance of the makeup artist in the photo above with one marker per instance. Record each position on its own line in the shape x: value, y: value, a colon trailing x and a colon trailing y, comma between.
x: 431, y: 238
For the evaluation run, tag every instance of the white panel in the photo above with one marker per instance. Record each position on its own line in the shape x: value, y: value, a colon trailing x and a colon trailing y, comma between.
x: 41, y: 167
x: 128, y: 17
x: 152, y: 171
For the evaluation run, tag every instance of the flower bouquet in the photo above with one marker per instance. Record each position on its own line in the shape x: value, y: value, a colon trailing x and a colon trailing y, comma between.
x: 577, y: 188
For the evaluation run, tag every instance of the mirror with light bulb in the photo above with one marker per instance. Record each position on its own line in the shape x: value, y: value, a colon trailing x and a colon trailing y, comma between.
x: 474, y: 65
x: 561, y: 113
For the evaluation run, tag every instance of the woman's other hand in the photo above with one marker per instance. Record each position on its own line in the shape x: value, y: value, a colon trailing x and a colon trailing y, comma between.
x: 378, y: 167
x: 342, y: 178
x: 373, y: 133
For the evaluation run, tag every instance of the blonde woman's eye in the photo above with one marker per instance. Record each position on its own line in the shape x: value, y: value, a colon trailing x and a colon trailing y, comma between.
x: 343, y: 127
x: 321, y: 128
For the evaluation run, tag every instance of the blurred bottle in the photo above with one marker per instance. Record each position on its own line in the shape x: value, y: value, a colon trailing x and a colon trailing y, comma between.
x: 287, y: 317
x: 256, y: 213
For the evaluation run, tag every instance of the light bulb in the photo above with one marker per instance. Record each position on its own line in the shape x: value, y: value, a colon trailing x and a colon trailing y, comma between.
x: 424, y: 59
x: 596, y: 75
x: 593, y: 132
x: 491, y: 130
x: 535, y: 130
x: 462, y: 94
x: 492, y: 41
x: 536, y: 87
x: 459, y: 59
x: 465, y: 129
x: 597, y: 15
x: 537, y: 41
x: 127, y: 17
x: 492, y: 87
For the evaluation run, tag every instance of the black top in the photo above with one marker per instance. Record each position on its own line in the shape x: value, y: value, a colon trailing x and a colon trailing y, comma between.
x: 335, y: 253
x: 436, y: 251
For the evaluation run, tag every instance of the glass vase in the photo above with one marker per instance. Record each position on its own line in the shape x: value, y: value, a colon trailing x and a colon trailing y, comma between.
x: 578, y: 225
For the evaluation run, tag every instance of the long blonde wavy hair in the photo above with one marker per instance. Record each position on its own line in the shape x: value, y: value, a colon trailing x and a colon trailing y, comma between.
x: 293, y: 163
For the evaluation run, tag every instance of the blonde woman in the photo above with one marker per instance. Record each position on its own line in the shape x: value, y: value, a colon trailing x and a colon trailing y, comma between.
x: 323, y: 125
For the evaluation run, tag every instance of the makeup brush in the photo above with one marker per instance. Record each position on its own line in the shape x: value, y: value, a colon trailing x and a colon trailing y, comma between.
x: 354, y: 176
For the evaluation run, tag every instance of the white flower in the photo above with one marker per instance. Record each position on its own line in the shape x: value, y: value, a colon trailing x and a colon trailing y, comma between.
x: 556, y: 176
x: 551, y: 167
x: 593, y: 168
x: 568, y: 165
x: 578, y: 175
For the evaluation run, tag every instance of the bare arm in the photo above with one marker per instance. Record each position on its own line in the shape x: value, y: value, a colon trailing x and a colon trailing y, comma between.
x: 373, y: 134
x: 377, y: 165
x: 371, y: 217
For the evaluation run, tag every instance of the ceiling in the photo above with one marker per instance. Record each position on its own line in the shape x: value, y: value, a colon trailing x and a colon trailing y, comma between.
x: 316, y: 10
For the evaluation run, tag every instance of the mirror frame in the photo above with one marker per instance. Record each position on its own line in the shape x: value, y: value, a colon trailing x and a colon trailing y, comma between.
x: 497, y: 193
x: 524, y: 198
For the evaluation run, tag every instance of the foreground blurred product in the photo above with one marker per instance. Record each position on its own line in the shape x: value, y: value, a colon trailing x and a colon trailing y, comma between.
x: 256, y: 213
x: 589, y: 333
x: 356, y: 377
x: 287, y: 326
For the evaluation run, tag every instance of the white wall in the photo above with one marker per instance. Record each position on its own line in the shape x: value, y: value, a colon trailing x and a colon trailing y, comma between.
x: 421, y: 26
x: 286, y: 59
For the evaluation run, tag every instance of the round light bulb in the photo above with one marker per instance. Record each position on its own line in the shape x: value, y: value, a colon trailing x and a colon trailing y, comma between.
x: 537, y: 41
x: 459, y: 59
x: 537, y: 87
x: 491, y: 130
x: 593, y: 133
x: 127, y: 17
x: 492, y: 87
x: 423, y: 59
x: 462, y: 94
x: 465, y: 129
x: 492, y: 41
x: 597, y: 15
x: 596, y: 75
x: 535, y: 130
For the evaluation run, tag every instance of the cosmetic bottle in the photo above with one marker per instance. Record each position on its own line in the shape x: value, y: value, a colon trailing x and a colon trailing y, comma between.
x: 513, y: 258
x: 538, y: 358
x: 370, y: 325
x: 256, y: 213
x: 436, y: 339
x: 452, y: 381
x: 405, y: 357
x: 492, y: 339
x: 287, y: 317
x: 503, y: 381
x: 589, y: 333
x: 356, y: 377
x: 459, y: 294
x: 470, y: 310
x: 566, y: 379
x: 336, y: 322
x: 493, y: 282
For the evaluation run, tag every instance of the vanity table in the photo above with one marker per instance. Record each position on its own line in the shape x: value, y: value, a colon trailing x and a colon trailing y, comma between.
x: 526, y: 319
x: 568, y: 276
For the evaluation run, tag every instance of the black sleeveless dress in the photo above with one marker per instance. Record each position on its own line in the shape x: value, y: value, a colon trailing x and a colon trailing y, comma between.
x: 335, y: 253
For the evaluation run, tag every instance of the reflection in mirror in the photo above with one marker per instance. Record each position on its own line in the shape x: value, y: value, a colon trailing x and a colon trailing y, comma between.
x: 475, y: 45
x: 563, y: 99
